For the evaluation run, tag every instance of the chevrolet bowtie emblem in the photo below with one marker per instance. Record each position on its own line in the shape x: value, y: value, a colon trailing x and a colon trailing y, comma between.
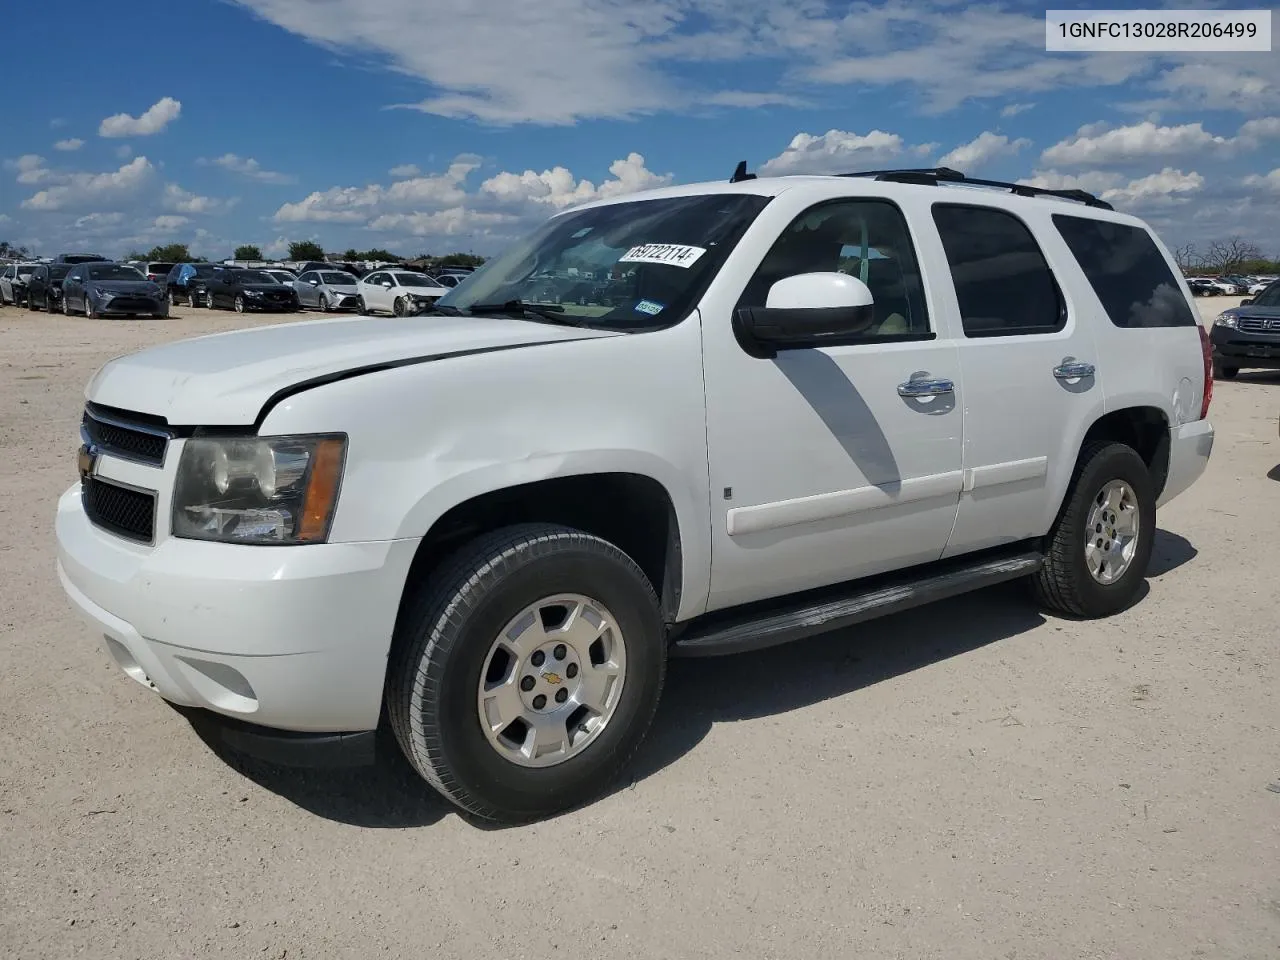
x: 552, y: 678
x: 87, y: 459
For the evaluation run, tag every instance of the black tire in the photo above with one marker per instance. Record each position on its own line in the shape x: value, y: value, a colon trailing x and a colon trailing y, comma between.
x: 362, y: 307
x: 324, y: 303
x: 442, y: 643
x: 173, y: 299
x: 238, y: 304
x: 1223, y: 372
x: 88, y: 309
x: 398, y: 308
x: 1064, y: 583
x: 31, y: 304
x: 191, y: 299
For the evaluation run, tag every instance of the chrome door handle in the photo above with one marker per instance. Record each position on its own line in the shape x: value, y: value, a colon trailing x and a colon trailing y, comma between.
x: 925, y: 388
x: 1073, y: 369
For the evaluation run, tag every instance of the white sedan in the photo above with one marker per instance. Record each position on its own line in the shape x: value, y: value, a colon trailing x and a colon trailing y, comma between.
x: 397, y: 292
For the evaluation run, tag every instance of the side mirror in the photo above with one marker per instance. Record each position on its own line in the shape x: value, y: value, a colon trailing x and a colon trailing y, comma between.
x: 314, y: 283
x: 386, y: 284
x: 1247, y: 302
x: 807, y: 310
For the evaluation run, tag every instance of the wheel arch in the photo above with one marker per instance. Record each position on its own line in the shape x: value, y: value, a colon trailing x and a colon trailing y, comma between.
x: 632, y: 510
x: 1144, y: 428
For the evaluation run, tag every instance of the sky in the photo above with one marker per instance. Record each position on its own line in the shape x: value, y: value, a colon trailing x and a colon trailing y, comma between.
x: 422, y: 126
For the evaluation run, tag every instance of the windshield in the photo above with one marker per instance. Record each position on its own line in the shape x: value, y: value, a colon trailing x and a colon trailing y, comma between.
x: 628, y: 265
x: 206, y: 269
x: 283, y: 276
x: 256, y: 276
x: 414, y: 280
x: 114, y: 271
x: 1269, y: 297
x: 338, y: 279
x: 59, y: 271
x: 160, y: 267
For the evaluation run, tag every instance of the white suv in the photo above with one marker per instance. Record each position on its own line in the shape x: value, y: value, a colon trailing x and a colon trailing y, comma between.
x: 781, y: 406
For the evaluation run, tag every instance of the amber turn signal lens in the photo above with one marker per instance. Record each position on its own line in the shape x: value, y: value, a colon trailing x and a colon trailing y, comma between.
x: 322, y: 490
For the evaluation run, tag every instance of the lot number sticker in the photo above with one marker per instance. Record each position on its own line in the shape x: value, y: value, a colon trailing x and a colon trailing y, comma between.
x: 672, y: 254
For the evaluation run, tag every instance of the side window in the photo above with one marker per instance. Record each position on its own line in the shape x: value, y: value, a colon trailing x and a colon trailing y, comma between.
x: 1127, y: 272
x: 376, y: 278
x: 306, y: 277
x: 867, y: 239
x: 1270, y: 297
x: 1003, y: 283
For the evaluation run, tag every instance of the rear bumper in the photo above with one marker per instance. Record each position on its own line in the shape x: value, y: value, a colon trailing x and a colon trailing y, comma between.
x: 1190, y: 446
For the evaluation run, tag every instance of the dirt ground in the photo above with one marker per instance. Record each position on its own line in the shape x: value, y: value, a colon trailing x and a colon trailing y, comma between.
x: 971, y: 780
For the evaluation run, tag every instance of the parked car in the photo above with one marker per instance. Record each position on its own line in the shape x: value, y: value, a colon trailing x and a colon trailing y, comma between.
x: 494, y: 528
x: 1202, y: 287
x: 1248, y: 336
x: 1225, y: 286
x: 44, y: 287
x: 186, y: 283
x: 81, y: 258
x: 156, y: 270
x: 1257, y: 286
x: 315, y: 265
x: 281, y: 274
x: 13, y: 282
x: 398, y: 292
x: 245, y: 290
x: 99, y: 289
x: 327, y: 290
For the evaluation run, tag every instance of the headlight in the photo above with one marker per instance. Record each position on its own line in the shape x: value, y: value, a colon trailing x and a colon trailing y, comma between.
x: 1226, y: 320
x: 272, y: 490
x: 253, y: 293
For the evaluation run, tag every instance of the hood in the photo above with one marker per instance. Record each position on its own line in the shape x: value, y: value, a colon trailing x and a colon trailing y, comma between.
x: 1254, y: 311
x: 224, y: 379
x: 427, y: 288
x: 341, y: 287
x: 125, y: 286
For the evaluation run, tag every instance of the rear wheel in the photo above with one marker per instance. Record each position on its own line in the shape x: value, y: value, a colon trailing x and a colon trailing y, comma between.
x: 173, y: 299
x: 525, y: 673
x: 191, y: 299
x: 1099, y: 548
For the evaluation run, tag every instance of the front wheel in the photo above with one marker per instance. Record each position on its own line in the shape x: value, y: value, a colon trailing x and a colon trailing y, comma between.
x: 399, y: 308
x: 362, y: 307
x: 88, y: 309
x: 525, y: 673
x: 1222, y: 372
x: 191, y: 299
x: 1099, y: 548
x: 239, y: 304
x: 324, y: 303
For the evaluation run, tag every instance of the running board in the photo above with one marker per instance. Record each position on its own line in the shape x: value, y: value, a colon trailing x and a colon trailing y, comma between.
x: 794, y: 618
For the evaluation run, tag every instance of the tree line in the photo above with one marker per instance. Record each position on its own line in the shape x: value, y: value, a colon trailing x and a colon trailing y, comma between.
x: 1233, y: 256
x: 301, y: 250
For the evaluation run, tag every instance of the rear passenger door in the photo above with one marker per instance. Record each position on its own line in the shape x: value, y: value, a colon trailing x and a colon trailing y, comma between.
x: 1030, y: 370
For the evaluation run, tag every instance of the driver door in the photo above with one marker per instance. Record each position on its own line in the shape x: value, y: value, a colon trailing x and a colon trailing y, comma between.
x: 375, y: 294
x: 826, y: 463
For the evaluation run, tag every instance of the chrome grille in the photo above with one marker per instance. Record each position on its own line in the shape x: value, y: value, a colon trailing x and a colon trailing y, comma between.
x: 1258, y: 324
x: 122, y: 437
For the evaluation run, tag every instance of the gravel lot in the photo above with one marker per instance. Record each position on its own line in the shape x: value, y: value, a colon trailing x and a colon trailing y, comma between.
x: 971, y: 780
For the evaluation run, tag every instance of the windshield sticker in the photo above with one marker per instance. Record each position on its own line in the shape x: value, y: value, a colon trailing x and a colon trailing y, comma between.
x: 649, y: 307
x: 672, y: 254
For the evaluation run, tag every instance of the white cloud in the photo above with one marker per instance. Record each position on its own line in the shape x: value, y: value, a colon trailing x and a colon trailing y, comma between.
x: 442, y: 204
x: 981, y: 150
x: 247, y: 167
x: 405, y: 171
x: 5, y: 218
x: 1253, y: 132
x: 158, y: 116
x: 1141, y: 141
x: 69, y: 145
x: 183, y: 201
x: 31, y: 169
x: 169, y: 222
x: 94, y: 190
x: 839, y: 151
x: 93, y: 221
x: 1091, y: 181
x: 1167, y: 186
x: 748, y: 98
x: 1269, y: 182
x: 1013, y: 109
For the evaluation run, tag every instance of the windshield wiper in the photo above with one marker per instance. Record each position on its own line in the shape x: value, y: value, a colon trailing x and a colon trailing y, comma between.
x: 541, y: 312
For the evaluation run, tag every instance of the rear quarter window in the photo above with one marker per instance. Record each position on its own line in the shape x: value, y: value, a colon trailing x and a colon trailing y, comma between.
x: 1128, y: 273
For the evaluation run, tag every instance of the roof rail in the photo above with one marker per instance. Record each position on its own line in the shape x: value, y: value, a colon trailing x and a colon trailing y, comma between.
x: 933, y: 176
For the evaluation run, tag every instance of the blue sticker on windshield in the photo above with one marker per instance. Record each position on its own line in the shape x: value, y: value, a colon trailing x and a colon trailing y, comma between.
x: 649, y: 307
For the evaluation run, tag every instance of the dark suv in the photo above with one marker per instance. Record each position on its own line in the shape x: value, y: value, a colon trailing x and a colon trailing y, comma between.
x: 44, y: 286
x: 186, y: 283
x: 1248, y: 335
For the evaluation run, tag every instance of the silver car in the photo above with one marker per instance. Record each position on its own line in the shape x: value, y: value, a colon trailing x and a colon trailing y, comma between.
x: 328, y: 290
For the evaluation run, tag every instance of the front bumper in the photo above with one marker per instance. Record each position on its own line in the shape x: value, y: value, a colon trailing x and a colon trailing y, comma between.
x: 292, y: 638
x: 270, y: 306
x: 126, y: 305
x: 1246, y: 348
x: 1190, y: 446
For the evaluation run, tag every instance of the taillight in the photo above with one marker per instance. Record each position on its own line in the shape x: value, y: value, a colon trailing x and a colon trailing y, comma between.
x: 1206, y: 352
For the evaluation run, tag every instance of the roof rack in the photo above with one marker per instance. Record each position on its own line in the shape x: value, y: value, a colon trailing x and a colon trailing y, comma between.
x: 933, y: 176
